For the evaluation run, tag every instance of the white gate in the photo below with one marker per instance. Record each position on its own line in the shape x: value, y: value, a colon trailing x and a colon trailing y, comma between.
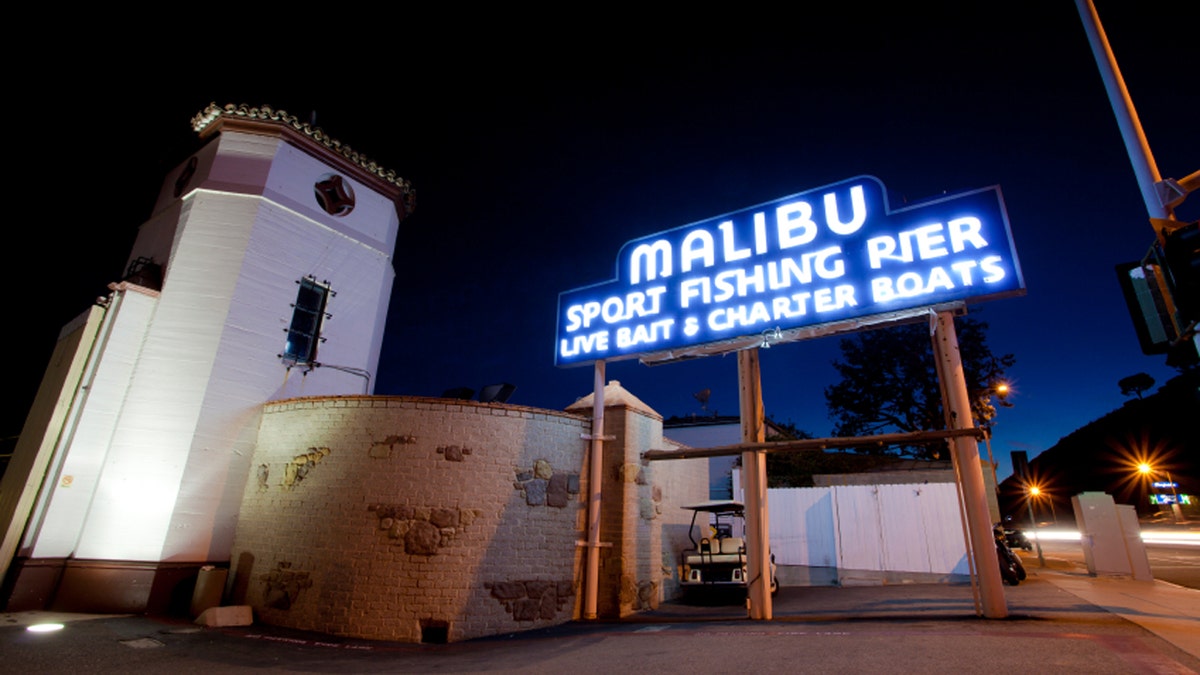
x: 868, y: 533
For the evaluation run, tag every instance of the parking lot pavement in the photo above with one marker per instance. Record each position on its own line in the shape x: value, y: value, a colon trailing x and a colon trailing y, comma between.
x: 1059, y: 618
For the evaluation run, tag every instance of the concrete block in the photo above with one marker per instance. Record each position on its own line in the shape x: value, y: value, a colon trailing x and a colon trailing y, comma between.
x: 233, y: 615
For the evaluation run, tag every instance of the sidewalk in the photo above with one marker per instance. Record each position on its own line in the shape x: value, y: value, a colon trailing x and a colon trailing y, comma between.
x: 1059, y: 619
x: 1169, y: 611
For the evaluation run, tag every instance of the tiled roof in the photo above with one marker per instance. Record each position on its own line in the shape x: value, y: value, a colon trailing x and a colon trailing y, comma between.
x: 207, y: 117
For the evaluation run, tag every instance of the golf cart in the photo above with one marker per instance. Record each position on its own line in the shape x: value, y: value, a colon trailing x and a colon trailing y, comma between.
x: 717, y: 560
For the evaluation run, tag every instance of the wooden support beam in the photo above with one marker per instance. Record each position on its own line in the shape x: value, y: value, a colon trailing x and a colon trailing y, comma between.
x: 813, y: 444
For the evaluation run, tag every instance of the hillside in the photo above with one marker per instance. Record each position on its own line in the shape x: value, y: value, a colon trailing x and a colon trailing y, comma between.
x: 1163, y: 429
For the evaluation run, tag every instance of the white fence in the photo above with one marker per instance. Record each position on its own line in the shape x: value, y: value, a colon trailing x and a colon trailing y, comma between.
x: 869, y: 533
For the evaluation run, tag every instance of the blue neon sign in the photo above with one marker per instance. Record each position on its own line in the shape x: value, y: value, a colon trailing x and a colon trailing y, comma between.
x: 825, y: 255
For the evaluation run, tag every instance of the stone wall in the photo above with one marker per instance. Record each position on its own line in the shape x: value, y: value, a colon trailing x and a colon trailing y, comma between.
x: 412, y: 519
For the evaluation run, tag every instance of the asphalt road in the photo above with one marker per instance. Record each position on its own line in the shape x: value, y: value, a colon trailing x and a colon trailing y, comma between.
x: 1174, y: 563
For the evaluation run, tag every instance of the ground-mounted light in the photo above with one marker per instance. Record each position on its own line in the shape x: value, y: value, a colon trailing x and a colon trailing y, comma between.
x: 44, y: 627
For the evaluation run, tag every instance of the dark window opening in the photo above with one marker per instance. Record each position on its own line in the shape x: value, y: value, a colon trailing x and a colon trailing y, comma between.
x: 308, y: 315
x: 434, y: 632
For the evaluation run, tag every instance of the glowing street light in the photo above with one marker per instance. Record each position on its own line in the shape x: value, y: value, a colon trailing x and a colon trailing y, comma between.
x: 1036, y: 493
x: 1149, y: 471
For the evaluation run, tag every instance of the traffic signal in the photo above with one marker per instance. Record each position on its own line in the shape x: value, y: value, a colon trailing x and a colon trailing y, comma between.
x: 1181, y: 255
x: 1144, y: 286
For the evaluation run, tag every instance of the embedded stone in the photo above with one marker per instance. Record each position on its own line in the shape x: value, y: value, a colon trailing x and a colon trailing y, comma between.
x: 444, y: 517
x: 629, y: 590
x: 526, y: 609
x: 646, y: 509
x: 468, y: 516
x: 537, y: 589
x: 573, y: 483
x: 508, y: 590
x: 648, y: 595
x: 542, y: 469
x: 549, y: 606
x: 556, y: 491
x: 386, y: 523
x: 535, y: 492
x: 453, y: 453
x: 422, y: 538
x: 277, y: 598
x: 630, y: 473
x: 564, y: 589
x: 523, y: 476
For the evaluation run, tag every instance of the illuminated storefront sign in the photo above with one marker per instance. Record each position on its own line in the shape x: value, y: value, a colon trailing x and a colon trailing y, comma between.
x: 821, y: 256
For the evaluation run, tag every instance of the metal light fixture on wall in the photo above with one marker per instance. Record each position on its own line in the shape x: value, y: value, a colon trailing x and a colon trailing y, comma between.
x: 768, y: 335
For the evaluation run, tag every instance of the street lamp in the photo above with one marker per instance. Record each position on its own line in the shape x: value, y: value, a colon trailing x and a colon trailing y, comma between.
x: 1034, y: 491
x: 1148, y: 471
x: 1037, y: 493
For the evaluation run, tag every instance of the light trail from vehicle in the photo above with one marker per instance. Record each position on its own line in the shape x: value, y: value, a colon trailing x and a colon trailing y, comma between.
x: 1190, y: 538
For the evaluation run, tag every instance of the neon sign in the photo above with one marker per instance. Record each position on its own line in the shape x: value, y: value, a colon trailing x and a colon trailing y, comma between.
x: 821, y: 256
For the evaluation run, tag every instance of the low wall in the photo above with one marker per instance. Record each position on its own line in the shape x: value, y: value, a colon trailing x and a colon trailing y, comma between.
x: 412, y: 519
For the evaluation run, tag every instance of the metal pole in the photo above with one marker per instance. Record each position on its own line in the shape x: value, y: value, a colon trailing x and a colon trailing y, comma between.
x: 754, y: 482
x: 966, y: 453
x: 1176, y: 509
x: 1136, y: 144
x: 595, y: 478
x: 1037, y: 541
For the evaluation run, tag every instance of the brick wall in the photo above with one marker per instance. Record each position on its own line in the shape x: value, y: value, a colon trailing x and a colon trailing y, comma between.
x: 412, y: 519
x: 643, y: 519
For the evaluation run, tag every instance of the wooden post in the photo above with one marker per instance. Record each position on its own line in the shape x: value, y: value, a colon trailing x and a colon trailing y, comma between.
x: 754, y: 484
x: 595, y: 478
x: 966, y: 454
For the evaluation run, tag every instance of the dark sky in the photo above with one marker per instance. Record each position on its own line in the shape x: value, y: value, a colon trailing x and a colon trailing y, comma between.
x: 538, y: 144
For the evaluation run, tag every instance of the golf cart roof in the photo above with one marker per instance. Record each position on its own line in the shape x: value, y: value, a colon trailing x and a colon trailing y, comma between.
x: 718, y: 506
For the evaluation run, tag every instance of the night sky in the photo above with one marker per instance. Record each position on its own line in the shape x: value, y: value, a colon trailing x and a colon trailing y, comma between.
x: 539, y: 144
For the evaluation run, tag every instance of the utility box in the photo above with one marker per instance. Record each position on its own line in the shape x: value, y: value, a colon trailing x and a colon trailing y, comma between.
x: 1111, y: 538
x: 210, y: 586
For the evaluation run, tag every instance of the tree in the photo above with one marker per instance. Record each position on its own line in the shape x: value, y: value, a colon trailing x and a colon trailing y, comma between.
x: 1135, y: 384
x: 889, y: 383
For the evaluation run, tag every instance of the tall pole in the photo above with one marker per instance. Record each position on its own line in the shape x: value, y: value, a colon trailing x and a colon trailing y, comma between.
x: 1037, y: 541
x: 966, y: 454
x: 754, y: 485
x: 1176, y: 509
x: 1136, y: 145
x: 595, y: 478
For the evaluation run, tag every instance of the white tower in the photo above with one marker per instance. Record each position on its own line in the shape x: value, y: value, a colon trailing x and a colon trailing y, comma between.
x: 264, y: 273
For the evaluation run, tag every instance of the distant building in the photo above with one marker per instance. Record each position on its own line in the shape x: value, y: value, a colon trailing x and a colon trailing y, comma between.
x: 711, y: 431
